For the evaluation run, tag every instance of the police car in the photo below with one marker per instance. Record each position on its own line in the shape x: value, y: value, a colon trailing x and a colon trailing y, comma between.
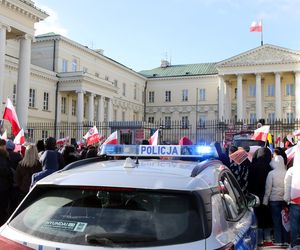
x: 136, y: 203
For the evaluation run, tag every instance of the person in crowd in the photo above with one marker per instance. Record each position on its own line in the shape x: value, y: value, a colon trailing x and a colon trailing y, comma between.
x: 40, y: 147
x: 281, y: 151
x: 69, y: 154
x: 26, y: 168
x: 51, y: 161
x: 6, y: 182
x: 14, y: 159
x: 274, y: 193
x: 258, y: 172
x: 91, y: 152
x: 294, y: 208
x: 240, y: 172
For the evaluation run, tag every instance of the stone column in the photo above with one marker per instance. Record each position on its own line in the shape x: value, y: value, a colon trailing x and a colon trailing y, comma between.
x: 240, y: 100
x: 110, y: 110
x: 3, y: 30
x: 80, y: 105
x: 297, y: 94
x: 221, y: 98
x: 23, y: 79
x: 258, y: 97
x: 101, y: 109
x: 278, y: 95
x: 227, y: 102
x: 91, y: 107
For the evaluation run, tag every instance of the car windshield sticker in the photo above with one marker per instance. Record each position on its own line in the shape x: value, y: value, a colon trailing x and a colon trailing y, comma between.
x: 64, y: 225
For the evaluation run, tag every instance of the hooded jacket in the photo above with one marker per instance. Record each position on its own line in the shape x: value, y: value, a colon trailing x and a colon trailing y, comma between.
x: 274, y: 190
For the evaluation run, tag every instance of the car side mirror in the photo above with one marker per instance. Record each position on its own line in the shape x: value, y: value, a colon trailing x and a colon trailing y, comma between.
x: 252, y: 200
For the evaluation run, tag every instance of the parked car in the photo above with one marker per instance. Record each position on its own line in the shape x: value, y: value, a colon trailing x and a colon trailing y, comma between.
x: 140, y: 204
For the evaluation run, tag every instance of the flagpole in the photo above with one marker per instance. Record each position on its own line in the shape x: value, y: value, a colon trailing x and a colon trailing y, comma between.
x: 261, y: 34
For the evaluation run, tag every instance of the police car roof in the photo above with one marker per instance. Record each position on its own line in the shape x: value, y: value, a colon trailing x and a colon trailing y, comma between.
x: 148, y: 174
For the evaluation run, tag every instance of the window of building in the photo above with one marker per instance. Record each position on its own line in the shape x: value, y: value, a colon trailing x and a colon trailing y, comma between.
x: 31, y: 103
x: 151, y: 119
x: 271, y: 90
x: 290, y: 117
x: 202, y: 95
x: 46, y: 101
x: 135, y: 92
x: 124, y: 89
x: 30, y: 133
x: 63, y: 104
x: 235, y: 93
x: 116, y: 83
x: 44, y: 134
x: 185, y: 95
x: 202, y: 120
x: 151, y: 96
x: 167, y: 121
x: 185, y: 121
x: 168, y: 96
x: 85, y: 69
x: 271, y: 118
x: 289, y: 89
x: 252, y: 90
x: 73, y: 107
x: 14, y: 95
x: 74, y: 65
x: 252, y: 117
x: 123, y: 115
x: 65, y: 65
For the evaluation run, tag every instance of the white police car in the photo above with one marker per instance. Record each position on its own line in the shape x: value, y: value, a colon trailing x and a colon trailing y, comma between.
x: 136, y: 204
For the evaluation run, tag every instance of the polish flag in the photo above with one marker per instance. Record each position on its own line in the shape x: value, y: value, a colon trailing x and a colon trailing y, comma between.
x: 4, y: 135
x: 261, y: 133
x: 256, y: 27
x: 153, y: 140
x: 11, y: 115
x: 296, y: 132
x: 112, y: 139
x: 295, y: 187
x: 63, y: 141
x: 290, y: 153
x: 20, y: 138
x: 92, y: 136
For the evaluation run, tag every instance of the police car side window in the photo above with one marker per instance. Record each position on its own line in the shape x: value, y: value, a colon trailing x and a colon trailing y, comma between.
x: 232, y: 197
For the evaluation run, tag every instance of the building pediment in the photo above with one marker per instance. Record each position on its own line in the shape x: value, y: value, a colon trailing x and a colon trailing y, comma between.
x: 263, y: 55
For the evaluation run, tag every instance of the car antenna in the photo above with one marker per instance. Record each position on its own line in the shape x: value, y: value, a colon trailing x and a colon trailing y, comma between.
x: 137, y: 160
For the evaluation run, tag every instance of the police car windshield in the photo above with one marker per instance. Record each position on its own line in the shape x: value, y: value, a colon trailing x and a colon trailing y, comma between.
x: 114, y: 217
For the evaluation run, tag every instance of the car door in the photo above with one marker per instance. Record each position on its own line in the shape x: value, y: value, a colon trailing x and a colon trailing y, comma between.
x: 241, y: 220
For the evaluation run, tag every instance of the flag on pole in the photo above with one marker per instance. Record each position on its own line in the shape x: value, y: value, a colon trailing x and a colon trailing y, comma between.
x: 4, y: 135
x: 11, y: 115
x: 295, y: 186
x: 112, y: 139
x: 63, y: 141
x: 153, y: 140
x: 256, y: 27
x: 261, y: 133
x: 20, y: 138
x: 92, y: 136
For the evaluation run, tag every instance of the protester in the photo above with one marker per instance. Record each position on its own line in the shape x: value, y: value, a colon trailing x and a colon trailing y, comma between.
x: 6, y: 182
x: 40, y: 147
x: 14, y: 157
x: 69, y: 154
x: 274, y: 193
x: 258, y: 172
x: 26, y: 168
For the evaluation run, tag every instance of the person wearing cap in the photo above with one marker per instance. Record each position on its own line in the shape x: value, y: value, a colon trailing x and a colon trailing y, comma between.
x: 6, y: 182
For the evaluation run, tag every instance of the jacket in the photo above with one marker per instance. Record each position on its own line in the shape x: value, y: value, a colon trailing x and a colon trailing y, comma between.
x: 288, y: 185
x: 6, y: 174
x: 274, y: 190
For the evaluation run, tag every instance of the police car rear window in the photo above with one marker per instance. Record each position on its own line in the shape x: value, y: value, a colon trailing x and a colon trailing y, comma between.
x: 111, y: 217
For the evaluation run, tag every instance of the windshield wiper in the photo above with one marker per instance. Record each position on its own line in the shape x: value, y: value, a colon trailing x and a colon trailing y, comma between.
x: 111, y: 238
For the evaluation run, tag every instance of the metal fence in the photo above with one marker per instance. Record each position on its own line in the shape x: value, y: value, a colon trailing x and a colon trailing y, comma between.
x: 135, y: 131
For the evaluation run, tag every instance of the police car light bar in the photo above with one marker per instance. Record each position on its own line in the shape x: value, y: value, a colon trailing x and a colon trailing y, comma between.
x: 159, y: 150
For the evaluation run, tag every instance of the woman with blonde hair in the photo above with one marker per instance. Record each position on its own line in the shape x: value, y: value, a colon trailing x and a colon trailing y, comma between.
x: 26, y: 168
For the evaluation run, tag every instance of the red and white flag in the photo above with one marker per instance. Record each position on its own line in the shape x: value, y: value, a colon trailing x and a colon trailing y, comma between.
x: 256, y: 27
x: 92, y: 136
x: 153, y: 140
x: 63, y: 141
x: 261, y: 133
x: 20, y: 138
x: 290, y: 153
x: 296, y: 132
x: 295, y: 187
x: 4, y: 135
x: 11, y: 115
x: 112, y: 139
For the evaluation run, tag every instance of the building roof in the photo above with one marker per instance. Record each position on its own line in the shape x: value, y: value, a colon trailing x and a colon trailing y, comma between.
x: 181, y: 70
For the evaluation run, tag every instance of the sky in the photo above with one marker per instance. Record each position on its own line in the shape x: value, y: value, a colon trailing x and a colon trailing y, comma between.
x: 140, y: 33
